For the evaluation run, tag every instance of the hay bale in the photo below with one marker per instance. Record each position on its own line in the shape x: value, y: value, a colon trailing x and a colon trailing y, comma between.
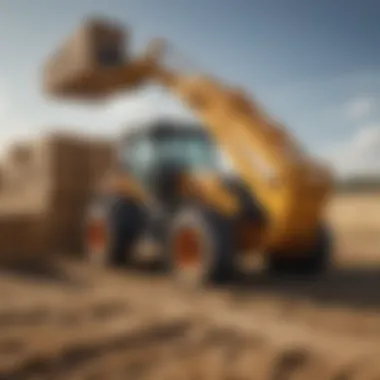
x: 74, y: 164
x: 67, y: 235
x: 20, y: 154
x: 76, y: 67
x: 62, y: 170
x: 69, y: 165
x: 21, y: 168
x: 62, y: 164
x: 13, y: 179
x: 24, y: 231
x: 102, y: 158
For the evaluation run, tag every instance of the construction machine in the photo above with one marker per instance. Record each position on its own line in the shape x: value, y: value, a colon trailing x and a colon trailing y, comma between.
x: 169, y: 185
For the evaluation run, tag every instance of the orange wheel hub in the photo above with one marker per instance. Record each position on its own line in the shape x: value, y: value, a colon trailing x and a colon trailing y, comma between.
x: 187, y: 248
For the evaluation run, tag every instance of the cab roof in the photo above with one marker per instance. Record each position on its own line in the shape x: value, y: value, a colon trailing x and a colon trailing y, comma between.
x: 163, y: 126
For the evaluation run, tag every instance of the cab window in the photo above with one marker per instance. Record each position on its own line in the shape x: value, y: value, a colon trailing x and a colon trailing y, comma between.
x: 138, y: 157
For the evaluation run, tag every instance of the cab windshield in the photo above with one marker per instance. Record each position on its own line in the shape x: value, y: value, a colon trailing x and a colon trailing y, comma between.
x: 194, y: 150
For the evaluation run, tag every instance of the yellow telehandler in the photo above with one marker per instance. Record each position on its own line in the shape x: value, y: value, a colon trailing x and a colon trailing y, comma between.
x: 169, y: 185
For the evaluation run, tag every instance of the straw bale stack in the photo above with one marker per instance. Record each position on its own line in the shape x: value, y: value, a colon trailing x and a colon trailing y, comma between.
x: 102, y: 157
x: 49, y: 185
x: 63, y: 164
x: 16, y: 167
x: 24, y: 228
x: 75, y: 164
x: 20, y: 154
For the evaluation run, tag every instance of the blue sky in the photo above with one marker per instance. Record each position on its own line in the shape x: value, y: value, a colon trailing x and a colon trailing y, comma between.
x: 315, y: 65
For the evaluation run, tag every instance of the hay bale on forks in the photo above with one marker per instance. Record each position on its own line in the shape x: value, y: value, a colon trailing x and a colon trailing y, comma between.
x: 74, y: 69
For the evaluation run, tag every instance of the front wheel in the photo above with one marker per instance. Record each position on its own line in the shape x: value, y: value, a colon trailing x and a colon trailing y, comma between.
x: 201, y: 247
x: 112, y: 232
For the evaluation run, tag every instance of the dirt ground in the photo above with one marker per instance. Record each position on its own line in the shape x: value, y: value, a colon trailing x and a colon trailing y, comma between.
x: 70, y: 321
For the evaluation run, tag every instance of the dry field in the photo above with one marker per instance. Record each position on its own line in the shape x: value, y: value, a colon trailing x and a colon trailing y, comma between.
x: 72, y: 322
x: 356, y: 222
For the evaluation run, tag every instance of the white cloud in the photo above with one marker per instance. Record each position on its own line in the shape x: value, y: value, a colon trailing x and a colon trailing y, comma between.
x: 359, y: 155
x: 359, y: 108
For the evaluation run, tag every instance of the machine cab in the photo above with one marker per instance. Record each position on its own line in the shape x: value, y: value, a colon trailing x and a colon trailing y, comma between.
x: 157, y: 154
x: 163, y: 144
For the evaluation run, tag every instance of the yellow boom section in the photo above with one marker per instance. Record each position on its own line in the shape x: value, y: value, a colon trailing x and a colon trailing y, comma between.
x: 288, y: 184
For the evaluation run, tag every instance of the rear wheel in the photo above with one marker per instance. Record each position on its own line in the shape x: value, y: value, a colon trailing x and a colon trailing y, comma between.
x: 314, y: 262
x: 201, y: 247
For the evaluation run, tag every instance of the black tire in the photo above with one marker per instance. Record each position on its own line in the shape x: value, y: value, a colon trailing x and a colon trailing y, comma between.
x: 125, y: 225
x: 122, y: 221
x: 217, y: 254
x: 311, y: 263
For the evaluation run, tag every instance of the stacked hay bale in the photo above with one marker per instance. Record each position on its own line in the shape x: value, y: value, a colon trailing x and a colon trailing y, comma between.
x: 101, y: 158
x: 72, y: 166
x: 23, y: 233
x: 47, y: 187
x: 16, y: 165
x: 24, y: 236
x: 64, y: 166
